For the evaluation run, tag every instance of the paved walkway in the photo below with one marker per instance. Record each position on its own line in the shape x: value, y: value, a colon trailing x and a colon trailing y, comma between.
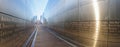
x: 46, y: 39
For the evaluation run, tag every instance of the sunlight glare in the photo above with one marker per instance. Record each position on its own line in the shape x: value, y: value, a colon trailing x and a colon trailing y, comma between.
x: 97, y: 18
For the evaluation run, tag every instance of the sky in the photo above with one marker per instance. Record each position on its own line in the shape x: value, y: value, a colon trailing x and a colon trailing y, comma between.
x: 25, y: 9
x: 39, y: 6
x: 56, y: 6
x: 51, y: 4
x: 28, y: 8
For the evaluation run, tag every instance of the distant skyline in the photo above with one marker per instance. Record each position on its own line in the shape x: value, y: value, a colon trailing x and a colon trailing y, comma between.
x: 39, y: 8
x: 25, y: 9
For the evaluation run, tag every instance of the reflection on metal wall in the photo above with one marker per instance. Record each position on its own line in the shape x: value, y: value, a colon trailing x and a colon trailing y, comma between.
x: 14, y: 31
x: 93, y: 23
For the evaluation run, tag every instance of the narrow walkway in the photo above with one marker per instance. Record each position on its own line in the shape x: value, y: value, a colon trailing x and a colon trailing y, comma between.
x: 46, y: 39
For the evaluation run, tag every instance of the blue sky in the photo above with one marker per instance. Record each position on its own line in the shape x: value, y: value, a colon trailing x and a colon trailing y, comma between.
x: 23, y: 8
x: 27, y: 8
x: 51, y: 4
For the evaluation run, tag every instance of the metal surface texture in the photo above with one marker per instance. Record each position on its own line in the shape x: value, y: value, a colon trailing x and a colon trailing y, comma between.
x: 91, y: 23
x: 14, y: 31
